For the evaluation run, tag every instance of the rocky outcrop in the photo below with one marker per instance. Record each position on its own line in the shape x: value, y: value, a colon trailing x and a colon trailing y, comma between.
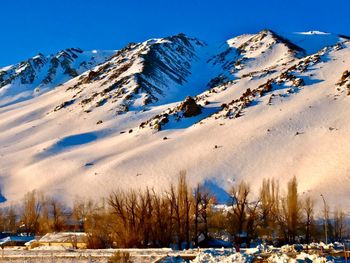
x: 344, y: 82
x: 190, y: 108
x: 146, y: 70
x: 344, y: 78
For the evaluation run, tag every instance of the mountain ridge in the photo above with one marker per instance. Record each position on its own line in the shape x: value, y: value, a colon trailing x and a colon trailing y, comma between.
x: 253, y: 107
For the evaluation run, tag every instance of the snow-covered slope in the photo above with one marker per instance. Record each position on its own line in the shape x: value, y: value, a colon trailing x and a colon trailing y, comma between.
x: 38, y: 74
x: 155, y: 71
x: 262, y: 106
x: 313, y: 41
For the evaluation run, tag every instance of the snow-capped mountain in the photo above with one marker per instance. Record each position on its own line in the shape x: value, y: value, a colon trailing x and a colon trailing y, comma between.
x: 257, y: 106
x: 138, y: 75
x: 40, y: 73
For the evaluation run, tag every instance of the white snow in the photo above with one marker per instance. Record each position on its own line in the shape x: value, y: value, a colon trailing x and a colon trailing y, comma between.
x: 62, y: 236
x: 215, y: 256
x: 6, y: 68
x: 316, y: 32
x: 163, y: 255
x: 16, y: 91
x: 47, y: 150
x: 313, y: 41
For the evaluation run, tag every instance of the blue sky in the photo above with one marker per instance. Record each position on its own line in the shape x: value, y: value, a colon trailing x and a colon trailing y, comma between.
x: 32, y: 26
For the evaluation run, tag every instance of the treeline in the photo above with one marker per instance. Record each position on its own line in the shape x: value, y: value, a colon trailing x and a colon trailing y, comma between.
x: 181, y: 217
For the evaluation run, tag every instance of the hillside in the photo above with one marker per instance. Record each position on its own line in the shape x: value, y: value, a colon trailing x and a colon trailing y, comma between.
x: 264, y: 105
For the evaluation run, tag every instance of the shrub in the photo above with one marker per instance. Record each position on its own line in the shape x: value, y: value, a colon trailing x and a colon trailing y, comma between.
x: 120, y: 257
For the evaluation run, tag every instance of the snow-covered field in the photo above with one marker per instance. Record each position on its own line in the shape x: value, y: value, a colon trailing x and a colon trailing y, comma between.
x: 83, y: 138
x: 259, y: 254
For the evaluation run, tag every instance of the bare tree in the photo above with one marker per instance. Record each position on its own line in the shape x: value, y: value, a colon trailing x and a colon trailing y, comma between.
x: 269, y: 206
x: 81, y: 211
x: 117, y: 202
x: 180, y: 201
x: 253, y: 221
x: 177, y: 216
x: 99, y: 226
x: 339, y: 223
x: 197, y: 203
x: 145, y: 216
x: 202, y: 201
x: 240, y: 203
x: 45, y: 217
x: 163, y: 229
x: 185, y: 204
x: 10, y: 219
x: 206, y: 202
x: 2, y: 220
x: 58, y: 216
x: 308, y: 209
x: 292, y: 209
x: 31, y: 212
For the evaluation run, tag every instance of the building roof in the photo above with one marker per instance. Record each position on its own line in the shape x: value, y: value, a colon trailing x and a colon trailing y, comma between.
x: 64, y: 237
x: 16, y: 239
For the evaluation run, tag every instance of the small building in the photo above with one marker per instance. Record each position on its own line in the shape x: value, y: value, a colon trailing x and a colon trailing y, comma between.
x: 63, y: 239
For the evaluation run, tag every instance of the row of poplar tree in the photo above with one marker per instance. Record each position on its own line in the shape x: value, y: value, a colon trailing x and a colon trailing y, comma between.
x: 179, y: 215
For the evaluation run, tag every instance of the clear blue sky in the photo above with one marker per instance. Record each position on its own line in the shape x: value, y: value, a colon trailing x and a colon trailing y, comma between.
x: 32, y: 26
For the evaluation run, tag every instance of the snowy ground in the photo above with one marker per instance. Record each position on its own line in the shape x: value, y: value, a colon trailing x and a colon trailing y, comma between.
x: 259, y: 254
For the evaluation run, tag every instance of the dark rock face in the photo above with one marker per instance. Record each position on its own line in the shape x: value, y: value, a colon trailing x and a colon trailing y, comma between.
x: 142, y: 69
x: 345, y: 76
x: 64, y: 105
x: 190, y: 108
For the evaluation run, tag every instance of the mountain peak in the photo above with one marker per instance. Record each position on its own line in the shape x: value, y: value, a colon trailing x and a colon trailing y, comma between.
x: 255, y: 105
x: 40, y: 73
x: 139, y: 74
